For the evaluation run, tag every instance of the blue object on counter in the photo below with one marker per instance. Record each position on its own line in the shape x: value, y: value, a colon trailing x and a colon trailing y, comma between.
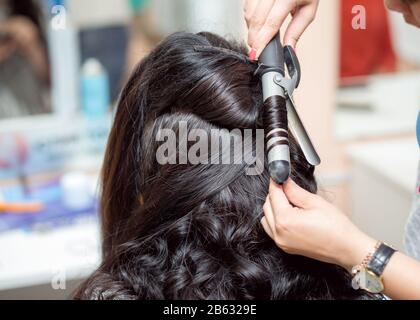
x: 95, y: 89
x: 45, y: 193
x: 54, y: 214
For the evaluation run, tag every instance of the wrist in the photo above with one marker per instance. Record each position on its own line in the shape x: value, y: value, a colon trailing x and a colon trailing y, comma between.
x: 368, y: 274
x: 358, y: 247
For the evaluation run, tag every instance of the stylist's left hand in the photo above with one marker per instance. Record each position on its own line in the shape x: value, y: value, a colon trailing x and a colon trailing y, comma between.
x: 305, y: 224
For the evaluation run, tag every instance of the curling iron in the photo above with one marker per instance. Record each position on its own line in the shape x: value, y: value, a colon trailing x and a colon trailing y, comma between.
x: 275, y: 84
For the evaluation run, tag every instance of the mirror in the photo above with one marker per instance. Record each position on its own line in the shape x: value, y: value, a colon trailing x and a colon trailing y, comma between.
x: 24, y: 62
x: 73, y: 60
x: 48, y: 48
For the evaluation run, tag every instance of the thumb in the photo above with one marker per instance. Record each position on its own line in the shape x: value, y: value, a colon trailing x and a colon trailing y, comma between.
x: 298, y: 196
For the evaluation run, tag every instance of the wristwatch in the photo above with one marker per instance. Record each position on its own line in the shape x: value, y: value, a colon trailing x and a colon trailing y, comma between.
x: 368, y: 275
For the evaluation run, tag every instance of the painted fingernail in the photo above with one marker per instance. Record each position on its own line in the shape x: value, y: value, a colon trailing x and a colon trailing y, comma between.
x: 252, y: 54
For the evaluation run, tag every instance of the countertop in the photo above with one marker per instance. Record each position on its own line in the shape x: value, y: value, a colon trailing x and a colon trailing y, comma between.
x: 396, y: 160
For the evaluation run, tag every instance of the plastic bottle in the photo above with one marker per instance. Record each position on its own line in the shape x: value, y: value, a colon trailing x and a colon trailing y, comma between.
x: 94, y: 89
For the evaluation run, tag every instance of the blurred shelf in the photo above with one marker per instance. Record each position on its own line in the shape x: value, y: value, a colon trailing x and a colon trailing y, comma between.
x: 362, y: 124
x: 32, y: 258
x: 383, y: 182
x: 394, y: 160
x: 383, y: 106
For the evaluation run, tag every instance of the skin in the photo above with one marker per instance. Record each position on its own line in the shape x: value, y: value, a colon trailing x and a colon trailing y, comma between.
x: 23, y: 36
x: 265, y: 17
x: 305, y: 224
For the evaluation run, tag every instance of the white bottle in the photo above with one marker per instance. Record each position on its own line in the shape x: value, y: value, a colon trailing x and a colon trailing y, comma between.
x: 64, y: 57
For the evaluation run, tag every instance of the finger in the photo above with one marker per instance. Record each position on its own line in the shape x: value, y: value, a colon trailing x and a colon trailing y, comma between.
x: 301, y: 20
x: 267, y: 228
x: 269, y: 215
x: 261, y: 12
x: 278, y: 200
x: 249, y: 9
x: 298, y: 196
x: 272, y: 25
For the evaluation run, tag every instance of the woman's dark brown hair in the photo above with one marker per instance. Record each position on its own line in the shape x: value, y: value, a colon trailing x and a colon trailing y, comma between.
x: 28, y: 8
x: 186, y: 231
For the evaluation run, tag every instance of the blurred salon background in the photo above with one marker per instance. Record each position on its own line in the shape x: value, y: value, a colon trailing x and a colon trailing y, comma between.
x: 63, y: 63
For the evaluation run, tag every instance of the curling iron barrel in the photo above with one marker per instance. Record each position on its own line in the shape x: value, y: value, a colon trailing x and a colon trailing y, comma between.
x: 277, y: 139
x: 282, y: 114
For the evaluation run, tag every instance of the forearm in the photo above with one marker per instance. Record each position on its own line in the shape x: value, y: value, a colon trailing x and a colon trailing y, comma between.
x: 401, y: 276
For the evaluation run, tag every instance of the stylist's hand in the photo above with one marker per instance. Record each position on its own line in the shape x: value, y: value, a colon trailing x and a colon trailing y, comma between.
x: 410, y: 9
x: 304, y: 224
x: 265, y: 17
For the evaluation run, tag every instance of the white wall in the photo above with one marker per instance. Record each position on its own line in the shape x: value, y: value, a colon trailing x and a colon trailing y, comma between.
x: 87, y: 13
x: 318, y: 53
x: 406, y: 38
x: 219, y: 16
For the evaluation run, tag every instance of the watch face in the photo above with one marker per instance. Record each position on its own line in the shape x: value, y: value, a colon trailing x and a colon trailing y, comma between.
x: 369, y: 281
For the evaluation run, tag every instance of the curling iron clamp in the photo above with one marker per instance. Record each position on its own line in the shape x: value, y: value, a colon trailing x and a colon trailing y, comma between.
x: 275, y: 83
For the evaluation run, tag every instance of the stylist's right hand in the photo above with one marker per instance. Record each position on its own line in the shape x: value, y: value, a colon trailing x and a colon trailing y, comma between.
x: 265, y: 17
x: 305, y: 224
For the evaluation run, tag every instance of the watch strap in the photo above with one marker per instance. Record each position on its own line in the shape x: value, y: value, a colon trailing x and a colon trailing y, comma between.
x: 380, y: 259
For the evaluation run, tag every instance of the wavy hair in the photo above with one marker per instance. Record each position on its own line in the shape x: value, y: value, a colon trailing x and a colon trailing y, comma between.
x: 193, y: 231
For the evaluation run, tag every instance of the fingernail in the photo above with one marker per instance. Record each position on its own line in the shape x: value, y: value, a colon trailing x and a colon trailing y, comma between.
x: 253, y: 54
